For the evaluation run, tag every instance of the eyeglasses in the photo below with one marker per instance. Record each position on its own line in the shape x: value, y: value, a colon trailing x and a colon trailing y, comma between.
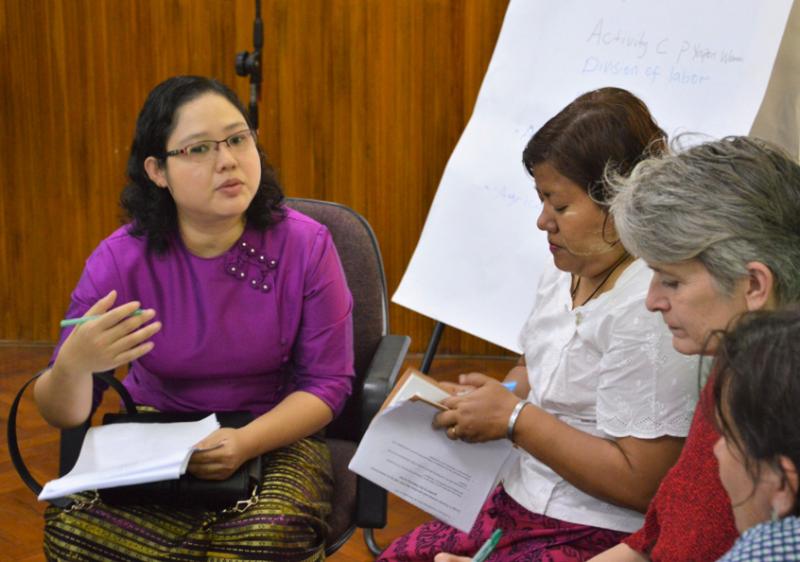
x: 204, y: 151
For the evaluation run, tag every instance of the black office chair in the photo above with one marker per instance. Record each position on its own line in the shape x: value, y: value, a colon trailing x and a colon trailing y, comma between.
x: 378, y: 358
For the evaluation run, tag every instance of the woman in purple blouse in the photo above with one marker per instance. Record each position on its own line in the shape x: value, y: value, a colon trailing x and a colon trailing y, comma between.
x: 244, y: 307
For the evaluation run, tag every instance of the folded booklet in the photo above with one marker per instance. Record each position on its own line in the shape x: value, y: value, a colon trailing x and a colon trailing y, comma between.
x: 414, y: 385
x: 402, y: 453
x: 121, y: 454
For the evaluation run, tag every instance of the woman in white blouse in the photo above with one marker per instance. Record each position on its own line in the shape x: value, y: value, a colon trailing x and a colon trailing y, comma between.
x: 602, y: 401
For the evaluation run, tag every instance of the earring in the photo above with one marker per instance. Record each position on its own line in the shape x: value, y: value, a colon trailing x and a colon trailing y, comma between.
x: 773, y: 515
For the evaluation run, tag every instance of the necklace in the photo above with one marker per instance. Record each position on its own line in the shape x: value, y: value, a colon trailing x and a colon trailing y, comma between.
x: 609, y: 272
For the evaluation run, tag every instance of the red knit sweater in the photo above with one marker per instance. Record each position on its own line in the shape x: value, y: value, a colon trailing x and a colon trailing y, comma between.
x: 690, y: 517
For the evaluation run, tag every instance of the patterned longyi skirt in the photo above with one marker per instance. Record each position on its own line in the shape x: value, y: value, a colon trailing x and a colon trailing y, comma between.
x: 287, y: 523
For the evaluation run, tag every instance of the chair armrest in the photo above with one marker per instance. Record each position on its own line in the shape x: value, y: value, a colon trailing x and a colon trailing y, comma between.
x: 381, y: 376
x: 371, y: 501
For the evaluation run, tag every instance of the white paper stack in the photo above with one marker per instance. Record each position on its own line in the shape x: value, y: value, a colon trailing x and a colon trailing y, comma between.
x: 122, y: 454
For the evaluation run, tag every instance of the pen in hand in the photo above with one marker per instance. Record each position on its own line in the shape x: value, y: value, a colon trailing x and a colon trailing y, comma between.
x: 486, y: 549
x: 83, y: 319
x: 510, y: 385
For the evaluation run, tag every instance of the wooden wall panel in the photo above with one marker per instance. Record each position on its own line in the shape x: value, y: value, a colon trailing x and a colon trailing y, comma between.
x: 362, y: 103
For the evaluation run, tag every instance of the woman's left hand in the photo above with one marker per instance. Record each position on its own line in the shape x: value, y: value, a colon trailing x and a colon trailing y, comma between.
x: 219, y: 455
x: 479, y: 415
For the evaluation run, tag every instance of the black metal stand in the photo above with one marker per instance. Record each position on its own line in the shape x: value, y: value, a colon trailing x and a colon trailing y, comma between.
x: 433, y: 343
x: 249, y: 64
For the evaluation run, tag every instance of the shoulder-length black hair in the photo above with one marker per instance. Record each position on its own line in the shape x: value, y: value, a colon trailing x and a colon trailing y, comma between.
x: 150, y: 209
x: 606, y: 127
x: 757, y: 389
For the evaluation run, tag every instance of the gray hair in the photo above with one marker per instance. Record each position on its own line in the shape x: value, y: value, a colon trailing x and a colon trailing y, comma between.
x: 725, y: 203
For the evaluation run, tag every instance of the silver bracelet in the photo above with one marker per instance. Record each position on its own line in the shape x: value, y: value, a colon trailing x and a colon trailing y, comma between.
x: 512, y: 419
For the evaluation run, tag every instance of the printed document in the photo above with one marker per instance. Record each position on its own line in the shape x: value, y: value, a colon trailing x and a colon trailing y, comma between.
x: 402, y: 453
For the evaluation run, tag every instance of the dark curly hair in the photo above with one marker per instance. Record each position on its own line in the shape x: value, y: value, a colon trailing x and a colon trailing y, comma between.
x: 608, y: 127
x: 150, y: 209
x: 757, y: 388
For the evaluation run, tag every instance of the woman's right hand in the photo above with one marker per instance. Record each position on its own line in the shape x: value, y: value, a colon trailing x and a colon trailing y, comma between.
x: 115, y: 338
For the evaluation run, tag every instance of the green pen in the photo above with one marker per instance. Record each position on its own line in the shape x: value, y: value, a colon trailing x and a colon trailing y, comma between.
x: 486, y: 549
x: 84, y: 319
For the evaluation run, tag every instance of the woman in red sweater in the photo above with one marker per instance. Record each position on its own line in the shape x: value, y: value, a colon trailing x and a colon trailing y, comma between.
x: 719, y: 225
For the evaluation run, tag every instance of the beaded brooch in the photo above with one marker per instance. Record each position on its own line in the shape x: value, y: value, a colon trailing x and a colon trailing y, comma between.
x: 248, y: 257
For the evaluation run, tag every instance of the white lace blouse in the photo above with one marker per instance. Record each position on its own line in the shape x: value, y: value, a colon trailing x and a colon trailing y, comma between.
x: 607, y: 368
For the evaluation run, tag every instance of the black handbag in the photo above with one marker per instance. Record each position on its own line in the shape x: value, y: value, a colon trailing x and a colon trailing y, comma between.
x: 237, y: 492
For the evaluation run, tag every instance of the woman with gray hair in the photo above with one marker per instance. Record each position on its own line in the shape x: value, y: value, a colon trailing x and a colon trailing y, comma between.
x: 719, y: 225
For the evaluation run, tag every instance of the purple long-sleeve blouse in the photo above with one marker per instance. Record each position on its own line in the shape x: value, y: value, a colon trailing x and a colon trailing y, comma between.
x: 240, y: 331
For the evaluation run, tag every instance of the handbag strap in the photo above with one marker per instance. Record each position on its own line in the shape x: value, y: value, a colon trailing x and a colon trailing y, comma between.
x: 11, y: 430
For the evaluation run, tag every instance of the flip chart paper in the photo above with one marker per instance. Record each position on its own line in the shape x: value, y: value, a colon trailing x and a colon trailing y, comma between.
x: 700, y: 65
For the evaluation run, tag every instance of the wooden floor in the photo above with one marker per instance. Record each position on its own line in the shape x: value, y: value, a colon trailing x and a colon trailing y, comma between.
x: 21, y: 513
